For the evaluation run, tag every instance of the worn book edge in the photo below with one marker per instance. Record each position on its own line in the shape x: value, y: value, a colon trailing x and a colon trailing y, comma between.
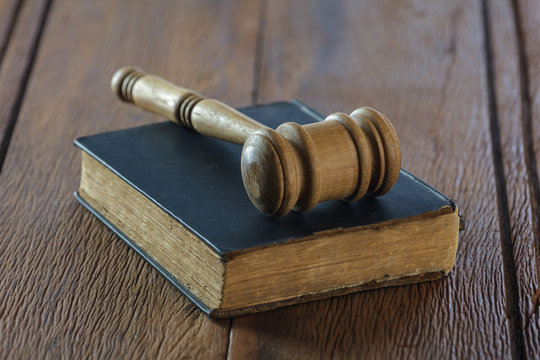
x: 428, y: 276
x: 221, y: 308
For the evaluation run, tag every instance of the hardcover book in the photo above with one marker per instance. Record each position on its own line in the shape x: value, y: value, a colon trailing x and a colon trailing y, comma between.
x: 177, y: 198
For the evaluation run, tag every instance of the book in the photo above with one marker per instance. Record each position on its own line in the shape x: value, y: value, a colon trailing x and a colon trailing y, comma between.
x: 176, y: 197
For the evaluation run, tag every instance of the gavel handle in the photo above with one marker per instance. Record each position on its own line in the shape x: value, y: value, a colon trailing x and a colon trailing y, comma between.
x: 183, y: 106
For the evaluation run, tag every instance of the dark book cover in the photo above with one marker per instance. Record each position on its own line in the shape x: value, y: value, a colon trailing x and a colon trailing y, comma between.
x: 197, y: 181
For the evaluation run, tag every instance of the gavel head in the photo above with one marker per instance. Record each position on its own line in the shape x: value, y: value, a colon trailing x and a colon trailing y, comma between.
x: 343, y: 157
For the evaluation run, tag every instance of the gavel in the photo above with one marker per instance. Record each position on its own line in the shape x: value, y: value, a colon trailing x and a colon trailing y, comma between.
x: 292, y: 167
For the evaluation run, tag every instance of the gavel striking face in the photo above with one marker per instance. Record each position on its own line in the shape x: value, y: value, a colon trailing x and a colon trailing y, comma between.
x: 292, y: 167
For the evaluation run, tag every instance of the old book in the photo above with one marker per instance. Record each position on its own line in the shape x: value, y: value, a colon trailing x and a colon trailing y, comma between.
x: 176, y: 197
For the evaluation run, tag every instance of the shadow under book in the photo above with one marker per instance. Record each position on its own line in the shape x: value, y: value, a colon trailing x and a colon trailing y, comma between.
x: 176, y: 197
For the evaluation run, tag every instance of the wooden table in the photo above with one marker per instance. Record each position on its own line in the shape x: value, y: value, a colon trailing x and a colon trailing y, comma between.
x: 459, y: 79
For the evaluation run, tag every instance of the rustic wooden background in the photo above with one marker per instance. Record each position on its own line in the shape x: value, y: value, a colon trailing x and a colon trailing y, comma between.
x: 459, y: 79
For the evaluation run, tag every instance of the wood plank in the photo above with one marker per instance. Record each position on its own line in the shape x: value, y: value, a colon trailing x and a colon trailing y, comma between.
x: 423, y: 65
x: 70, y: 287
x: 20, y: 29
x: 502, y: 63
x: 522, y: 117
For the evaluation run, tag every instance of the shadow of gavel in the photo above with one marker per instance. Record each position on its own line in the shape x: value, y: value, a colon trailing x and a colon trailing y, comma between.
x: 292, y: 167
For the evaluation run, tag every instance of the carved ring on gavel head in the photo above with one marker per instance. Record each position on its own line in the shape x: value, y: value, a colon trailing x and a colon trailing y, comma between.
x: 292, y: 167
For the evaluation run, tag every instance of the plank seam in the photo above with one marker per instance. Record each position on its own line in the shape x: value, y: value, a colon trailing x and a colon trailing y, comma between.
x: 7, y: 37
x: 4, y: 145
x: 230, y: 340
x: 259, y: 46
x: 257, y: 70
x: 527, y: 130
x: 509, y: 270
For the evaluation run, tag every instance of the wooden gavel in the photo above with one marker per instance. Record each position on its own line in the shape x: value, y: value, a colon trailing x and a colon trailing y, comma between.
x: 295, y: 166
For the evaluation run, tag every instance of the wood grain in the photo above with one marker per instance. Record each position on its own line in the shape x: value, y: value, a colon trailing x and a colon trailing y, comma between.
x: 20, y: 26
x: 422, y: 63
x: 9, y: 11
x: 509, y: 113
x: 70, y: 288
x: 183, y: 106
x: 519, y: 91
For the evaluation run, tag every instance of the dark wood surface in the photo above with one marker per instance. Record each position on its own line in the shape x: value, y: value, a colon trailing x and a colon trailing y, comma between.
x: 460, y: 80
